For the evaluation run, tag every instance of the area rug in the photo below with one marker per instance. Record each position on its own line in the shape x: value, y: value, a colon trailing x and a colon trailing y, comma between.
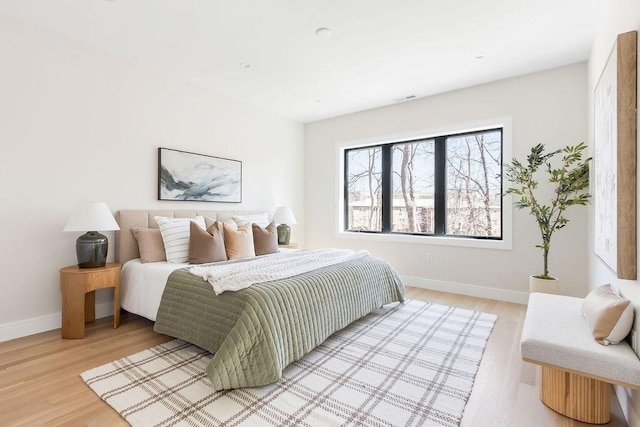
x: 407, y: 364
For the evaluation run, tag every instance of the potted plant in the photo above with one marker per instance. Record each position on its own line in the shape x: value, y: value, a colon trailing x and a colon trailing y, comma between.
x: 570, y: 178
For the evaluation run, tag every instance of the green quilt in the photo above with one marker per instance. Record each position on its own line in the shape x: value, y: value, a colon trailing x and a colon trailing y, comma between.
x: 256, y: 332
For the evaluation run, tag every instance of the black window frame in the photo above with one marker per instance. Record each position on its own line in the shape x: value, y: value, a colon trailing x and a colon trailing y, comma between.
x: 440, y: 186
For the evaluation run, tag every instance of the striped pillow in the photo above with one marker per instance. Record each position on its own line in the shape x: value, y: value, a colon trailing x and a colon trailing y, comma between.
x: 175, y: 236
x: 262, y: 219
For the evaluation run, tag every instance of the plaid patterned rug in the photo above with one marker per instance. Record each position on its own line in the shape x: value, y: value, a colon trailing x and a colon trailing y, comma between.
x: 407, y: 364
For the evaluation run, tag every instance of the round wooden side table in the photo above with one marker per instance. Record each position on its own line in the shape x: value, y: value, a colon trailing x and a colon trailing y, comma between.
x: 78, y: 287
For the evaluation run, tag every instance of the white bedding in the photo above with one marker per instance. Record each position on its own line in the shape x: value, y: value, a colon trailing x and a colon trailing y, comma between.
x: 142, y: 285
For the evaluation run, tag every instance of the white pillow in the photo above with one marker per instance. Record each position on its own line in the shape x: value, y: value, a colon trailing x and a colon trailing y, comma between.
x: 609, y: 316
x: 262, y: 219
x: 175, y: 236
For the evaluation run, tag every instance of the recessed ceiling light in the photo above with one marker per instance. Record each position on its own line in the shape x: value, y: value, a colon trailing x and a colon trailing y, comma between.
x: 323, y: 32
x: 245, y: 65
x: 480, y: 55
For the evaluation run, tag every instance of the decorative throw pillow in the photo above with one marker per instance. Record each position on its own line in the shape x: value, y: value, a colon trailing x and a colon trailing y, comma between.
x: 206, y: 245
x: 262, y: 219
x: 175, y: 235
x: 238, y: 243
x: 209, y: 221
x: 230, y: 222
x: 609, y: 316
x: 265, y: 240
x: 150, y: 244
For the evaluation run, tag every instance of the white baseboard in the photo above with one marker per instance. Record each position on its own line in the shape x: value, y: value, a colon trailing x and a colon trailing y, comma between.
x: 9, y: 331
x: 470, y: 290
x: 23, y: 328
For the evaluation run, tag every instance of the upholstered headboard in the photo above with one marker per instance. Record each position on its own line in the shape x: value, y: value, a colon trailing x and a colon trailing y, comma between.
x: 126, y: 244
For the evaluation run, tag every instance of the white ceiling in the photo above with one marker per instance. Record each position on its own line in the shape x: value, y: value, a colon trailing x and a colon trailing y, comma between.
x: 380, y: 51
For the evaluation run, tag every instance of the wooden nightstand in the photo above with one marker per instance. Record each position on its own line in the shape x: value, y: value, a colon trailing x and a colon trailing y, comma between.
x: 289, y: 246
x: 78, y: 287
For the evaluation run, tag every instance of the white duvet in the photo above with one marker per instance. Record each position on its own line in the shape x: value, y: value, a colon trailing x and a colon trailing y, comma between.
x: 142, y: 285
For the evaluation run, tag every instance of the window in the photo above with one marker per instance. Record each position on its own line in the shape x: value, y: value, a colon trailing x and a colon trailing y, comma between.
x: 413, y: 187
x: 364, y: 189
x: 447, y: 186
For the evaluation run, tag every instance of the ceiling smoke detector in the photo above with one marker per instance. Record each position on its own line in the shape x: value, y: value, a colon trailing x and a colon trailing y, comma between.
x: 323, y: 32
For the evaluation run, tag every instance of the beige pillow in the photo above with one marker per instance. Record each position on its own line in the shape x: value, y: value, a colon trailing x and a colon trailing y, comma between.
x: 150, y: 244
x: 238, y: 243
x: 609, y: 316
x: 229, y: 222
x: 265, y: 240
x: 206, y: 245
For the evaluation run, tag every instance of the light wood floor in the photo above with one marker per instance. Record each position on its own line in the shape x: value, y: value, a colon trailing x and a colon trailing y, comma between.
x: 40, y: 382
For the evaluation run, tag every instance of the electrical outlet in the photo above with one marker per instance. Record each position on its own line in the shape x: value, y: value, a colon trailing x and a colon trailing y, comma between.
x: 429, y: 257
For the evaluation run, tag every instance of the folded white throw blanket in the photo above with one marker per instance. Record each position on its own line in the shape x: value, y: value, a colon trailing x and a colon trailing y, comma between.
x: 240, y: 275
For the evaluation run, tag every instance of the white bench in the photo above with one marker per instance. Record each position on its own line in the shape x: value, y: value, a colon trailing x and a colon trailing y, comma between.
x: 577, y: 372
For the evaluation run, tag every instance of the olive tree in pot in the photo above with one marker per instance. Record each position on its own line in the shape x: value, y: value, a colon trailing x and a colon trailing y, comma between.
x: 570, y: 178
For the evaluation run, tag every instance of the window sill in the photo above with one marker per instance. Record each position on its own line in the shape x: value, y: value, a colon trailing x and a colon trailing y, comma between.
x: 504, y: 244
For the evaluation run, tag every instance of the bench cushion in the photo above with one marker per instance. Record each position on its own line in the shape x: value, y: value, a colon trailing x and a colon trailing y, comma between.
x: 556, y: 333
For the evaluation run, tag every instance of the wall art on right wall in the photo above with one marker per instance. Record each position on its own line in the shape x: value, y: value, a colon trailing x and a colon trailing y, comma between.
x: 615, y: 140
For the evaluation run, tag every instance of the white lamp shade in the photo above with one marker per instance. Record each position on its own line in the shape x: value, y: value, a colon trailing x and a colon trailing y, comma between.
x: 94, y: 216
x: 284, y: 215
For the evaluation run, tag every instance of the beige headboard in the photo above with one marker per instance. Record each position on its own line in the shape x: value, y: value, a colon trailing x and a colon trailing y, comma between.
x: 126, y: 244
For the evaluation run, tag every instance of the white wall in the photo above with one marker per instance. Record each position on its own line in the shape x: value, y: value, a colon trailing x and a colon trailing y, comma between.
x: 79, y: 124
x: 615, y: 17
x: 548, y: 107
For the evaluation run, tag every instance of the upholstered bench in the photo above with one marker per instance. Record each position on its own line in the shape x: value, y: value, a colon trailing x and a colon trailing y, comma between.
x: 577, y: 372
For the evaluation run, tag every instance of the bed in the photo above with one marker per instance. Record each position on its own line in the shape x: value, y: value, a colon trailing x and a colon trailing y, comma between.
x: 255, y: 332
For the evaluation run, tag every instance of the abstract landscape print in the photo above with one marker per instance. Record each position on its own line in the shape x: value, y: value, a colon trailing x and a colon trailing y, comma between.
x: 198, y: 177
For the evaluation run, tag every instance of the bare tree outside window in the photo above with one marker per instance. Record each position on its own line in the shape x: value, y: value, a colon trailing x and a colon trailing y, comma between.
x: 364, y: 174
x: 413, y: 189
x: 474, y: 163
x: 447, y: 185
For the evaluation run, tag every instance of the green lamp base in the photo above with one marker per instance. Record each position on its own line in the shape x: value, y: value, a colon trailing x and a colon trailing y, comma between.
x: 91, y: 249
x: 284, y: 234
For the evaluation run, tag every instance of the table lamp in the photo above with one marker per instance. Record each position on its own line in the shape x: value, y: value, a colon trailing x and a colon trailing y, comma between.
x: 284, y: 216
x: 92, y: 247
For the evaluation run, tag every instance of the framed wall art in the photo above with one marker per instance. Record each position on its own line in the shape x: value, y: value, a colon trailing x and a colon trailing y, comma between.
x: 198, y: 177
x: 615, y: 127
